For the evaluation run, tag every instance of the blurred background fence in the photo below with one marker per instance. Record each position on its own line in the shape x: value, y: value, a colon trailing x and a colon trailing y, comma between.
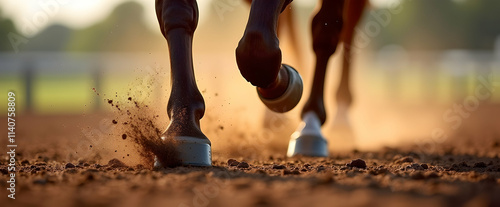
x: 49, y: 82
x: 430, y: 52
x: 59, y: 82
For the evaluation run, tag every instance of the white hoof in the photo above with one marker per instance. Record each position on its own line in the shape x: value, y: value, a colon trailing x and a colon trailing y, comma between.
x: 308, y: 140
x: 192, y: 151
x: 292, y: 95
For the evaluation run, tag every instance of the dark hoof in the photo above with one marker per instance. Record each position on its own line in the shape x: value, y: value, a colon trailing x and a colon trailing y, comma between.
x: 290, y: 98
x: 191, y: 151
x: 308, y: 140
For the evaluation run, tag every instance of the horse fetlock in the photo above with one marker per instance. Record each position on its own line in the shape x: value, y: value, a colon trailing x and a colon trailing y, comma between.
x: 285, y: 95
x: 316, y: 106
x: 177, y: 14
x: 259, y: 57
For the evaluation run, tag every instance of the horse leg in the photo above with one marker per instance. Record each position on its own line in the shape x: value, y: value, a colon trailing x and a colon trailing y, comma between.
x: 354, y: 10
x: 178, y: 20
x: 326, y: 31
x: 286, y: 23
x: 259, y: 58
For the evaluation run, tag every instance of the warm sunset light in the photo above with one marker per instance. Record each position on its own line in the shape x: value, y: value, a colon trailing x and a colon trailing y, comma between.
x: 313, y: 103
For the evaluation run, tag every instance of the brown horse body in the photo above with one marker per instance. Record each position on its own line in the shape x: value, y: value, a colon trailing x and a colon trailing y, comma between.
x: 259, y: 60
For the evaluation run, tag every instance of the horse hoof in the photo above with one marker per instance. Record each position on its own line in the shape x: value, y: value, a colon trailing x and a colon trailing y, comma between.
x: 290, y: 97
x: 191, y: 151
x: 307, y: 140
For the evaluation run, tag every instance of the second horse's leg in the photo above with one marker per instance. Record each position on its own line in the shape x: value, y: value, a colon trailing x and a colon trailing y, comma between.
x: 326, y: 28
x: 354, y: 11
x: 341, y: 130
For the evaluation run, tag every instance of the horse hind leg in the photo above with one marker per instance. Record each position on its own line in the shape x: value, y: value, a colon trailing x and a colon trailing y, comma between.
x: 354, y: 11
x: 341, y: 131
x: 326, y: 30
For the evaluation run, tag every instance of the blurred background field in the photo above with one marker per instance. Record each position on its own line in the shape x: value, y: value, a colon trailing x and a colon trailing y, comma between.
x: 428, y: 56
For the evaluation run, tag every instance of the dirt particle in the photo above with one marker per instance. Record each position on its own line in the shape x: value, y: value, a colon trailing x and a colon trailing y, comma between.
x: 320, y: 168
x: 232, y: 162
x: 414, y: 166
x: 425, y: 166
x: 243, y: 165
x: 279, y: 166
x: 130, y: 98
x: 221, y: 127
x: 115, y: 163
x: 463, y: 164
x: 404, y: 160
x: 69, y: 165
x: 114, y: 121
x: 379, y: 170
x: 41, y: 163
x: 4, y: 171
x: 124, y: 136
x: 479, y: 165
x: 359, y: 163
x: 110, y: 101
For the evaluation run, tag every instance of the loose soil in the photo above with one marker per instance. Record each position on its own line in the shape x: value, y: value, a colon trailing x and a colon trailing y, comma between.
x: 72, y: 160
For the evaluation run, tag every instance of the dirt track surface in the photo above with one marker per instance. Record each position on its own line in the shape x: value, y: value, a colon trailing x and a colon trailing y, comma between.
x: 456, y: 174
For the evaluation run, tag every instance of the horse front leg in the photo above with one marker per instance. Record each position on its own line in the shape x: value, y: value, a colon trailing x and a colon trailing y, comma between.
x: 259, y: 58
x: 178, y: 20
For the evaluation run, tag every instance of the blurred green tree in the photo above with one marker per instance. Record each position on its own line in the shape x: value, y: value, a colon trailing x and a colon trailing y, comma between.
x: 443, y: 24
x: 123, y: 30
x: 53, y: 38
x: 7, y: 28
